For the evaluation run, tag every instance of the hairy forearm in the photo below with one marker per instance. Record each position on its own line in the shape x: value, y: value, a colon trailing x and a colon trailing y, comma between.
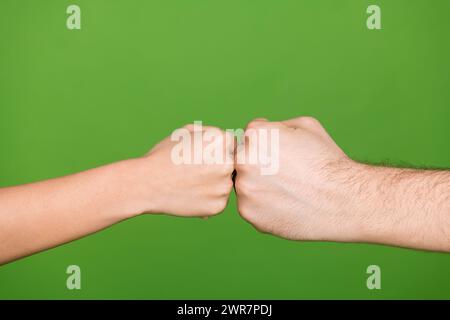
x: 42, y: 215
x: 396, y: 206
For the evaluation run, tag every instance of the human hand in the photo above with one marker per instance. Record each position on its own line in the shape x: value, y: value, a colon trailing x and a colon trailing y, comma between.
x: 188, y: 189
x: 305, y: 200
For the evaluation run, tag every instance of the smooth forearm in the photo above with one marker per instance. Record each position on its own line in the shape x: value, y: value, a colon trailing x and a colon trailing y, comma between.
x: 41, y: 215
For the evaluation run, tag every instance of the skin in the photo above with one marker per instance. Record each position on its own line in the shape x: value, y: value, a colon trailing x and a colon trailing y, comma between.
x: 321, y: 194
x: 318, y: 194
x: 41, y: 215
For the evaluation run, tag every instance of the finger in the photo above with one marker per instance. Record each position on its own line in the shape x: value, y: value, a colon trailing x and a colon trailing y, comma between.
x: 310, y: 124
x: 304, y: 122
x: 293, y: 123
x: 230, y: 146
x: 196, y: 126
x: 246, y: 151
x: 256, y: 122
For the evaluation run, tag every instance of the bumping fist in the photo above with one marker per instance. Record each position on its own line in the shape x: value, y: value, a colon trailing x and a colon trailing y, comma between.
x: 292, y: 180
x: 302, y: 200
x: 191, y: 171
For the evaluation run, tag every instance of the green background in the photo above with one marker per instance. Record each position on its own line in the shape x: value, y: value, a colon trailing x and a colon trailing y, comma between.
x: 72, y: 100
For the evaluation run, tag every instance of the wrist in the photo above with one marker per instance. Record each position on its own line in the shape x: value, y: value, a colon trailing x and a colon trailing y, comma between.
x: 364, y: 197
x: 345, y: 192
x: 350, y: 192
x: 134, y: 182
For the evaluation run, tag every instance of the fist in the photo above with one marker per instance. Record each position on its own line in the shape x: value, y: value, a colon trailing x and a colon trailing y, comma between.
x: 191, y: 171
x: 301, y: 200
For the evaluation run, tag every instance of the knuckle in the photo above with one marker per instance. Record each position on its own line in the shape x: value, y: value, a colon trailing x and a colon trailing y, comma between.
x: 229, y: 185
x: 225, y: 188
x: 244, y: 211
x: 217, y: 207
x: 214, y: 131
x: 308, y: 122
x: 245, y: 186
x: 258, y: 227
x: 251, y: 217
x: 228, y: 168
x: 238, y: 184
x: 255, y: 124
x: 274, y: 124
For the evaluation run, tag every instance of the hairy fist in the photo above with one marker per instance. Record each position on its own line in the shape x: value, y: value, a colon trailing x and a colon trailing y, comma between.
x: 298, y: 201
